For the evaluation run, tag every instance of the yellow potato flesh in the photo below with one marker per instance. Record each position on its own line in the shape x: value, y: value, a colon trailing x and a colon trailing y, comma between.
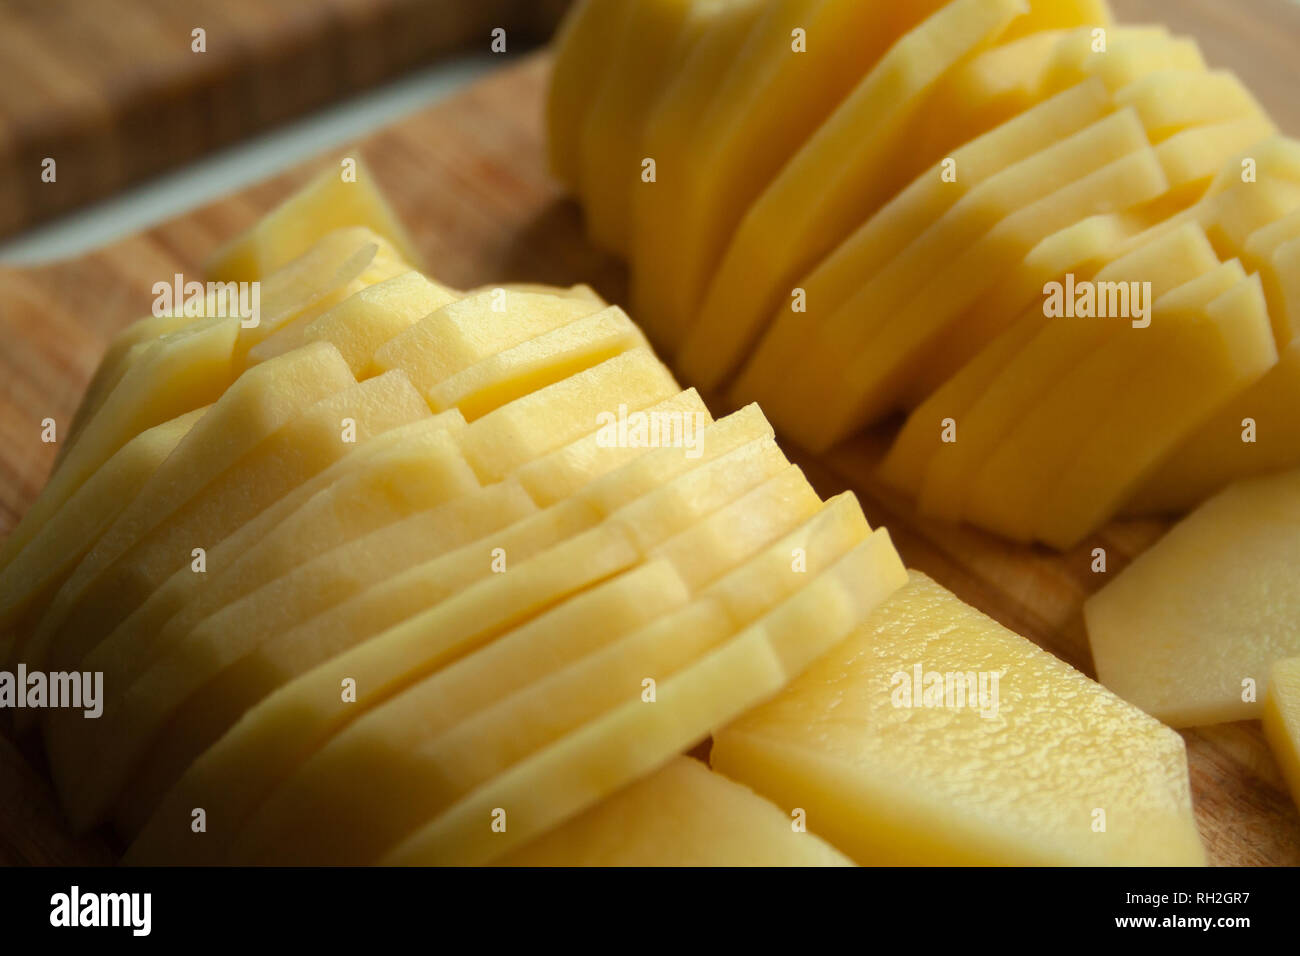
x: 259, y: 551
x: 29, y: 581
x: 1046, y: 767
x: 325, y: 204
x: 1194, y: 363
x: 769, y: 103
x: 182, y: 371
x: 846, y: 170
x: 682, y: 815
x: 482, y: 744
x: 813, y: 400
x: 634, y: 738
x: 1189, y: 630
x: 144, y: 687
x: 466, y: 332
x: 1282, y: 721
x: 927, y: 200
x: 982, y: 425
x: 1019, y: 477
x: 250, y: 410
x: 653, y: 40
x: 532, y: 365
x: 272, y: 738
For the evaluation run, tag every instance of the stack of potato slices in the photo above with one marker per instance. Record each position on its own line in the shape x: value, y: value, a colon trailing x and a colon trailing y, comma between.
x: 987, y: 215
x: 389, y: 511
x: 398, y: 573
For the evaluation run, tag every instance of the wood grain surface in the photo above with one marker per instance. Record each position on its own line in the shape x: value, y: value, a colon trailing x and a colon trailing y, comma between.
x: 482, y: 208
x: 113, y: 92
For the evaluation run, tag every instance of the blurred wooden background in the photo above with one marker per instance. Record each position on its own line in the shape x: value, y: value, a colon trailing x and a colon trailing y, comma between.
x: 114, y: 92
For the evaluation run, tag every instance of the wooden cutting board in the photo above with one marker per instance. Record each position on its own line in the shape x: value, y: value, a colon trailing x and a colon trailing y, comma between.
x: 116, y: 93
x: 469, y: 178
